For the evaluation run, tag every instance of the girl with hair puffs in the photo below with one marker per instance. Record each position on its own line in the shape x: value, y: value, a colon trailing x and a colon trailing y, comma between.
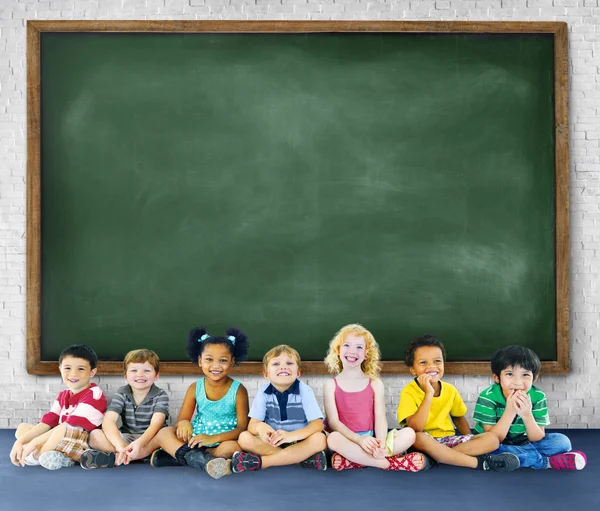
x: 355, y: 408
x: 217, y: 403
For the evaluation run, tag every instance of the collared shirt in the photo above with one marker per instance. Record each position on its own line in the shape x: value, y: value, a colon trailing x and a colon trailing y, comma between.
x: 136, y: 418
x: 290, y: 410
x: 492, y: 403
x: 83, y: 410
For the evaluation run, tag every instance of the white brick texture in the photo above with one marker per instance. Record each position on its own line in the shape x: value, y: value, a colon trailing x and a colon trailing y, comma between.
x: 574, y: 399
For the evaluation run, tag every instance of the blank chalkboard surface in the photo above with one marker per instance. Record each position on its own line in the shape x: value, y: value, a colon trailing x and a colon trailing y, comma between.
x: 291, y: 183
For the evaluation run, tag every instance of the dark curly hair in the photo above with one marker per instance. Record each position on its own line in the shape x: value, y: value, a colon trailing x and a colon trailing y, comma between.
x: 417, y: 342
x: 235, y: 340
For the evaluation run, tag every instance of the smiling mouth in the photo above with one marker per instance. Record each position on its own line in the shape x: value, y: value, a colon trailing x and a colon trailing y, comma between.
x: 433, y: 374
x: 351, y: 359
x: 285, y: 373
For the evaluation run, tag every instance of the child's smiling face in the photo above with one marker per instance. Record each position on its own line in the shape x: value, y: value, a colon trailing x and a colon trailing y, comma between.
x: 141, y: 376
x: 352, y: 351
x: 76, y: 373
x: 515, y: 378
x: 216, y: 361
x: 428, y: 360
x: 282, y: 371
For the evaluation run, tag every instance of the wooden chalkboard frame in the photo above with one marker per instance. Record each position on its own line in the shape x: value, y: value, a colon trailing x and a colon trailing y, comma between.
x: 34, y: 28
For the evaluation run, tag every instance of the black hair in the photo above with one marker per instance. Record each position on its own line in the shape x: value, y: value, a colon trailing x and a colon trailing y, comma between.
x: 511, y: 356
x: 80, y: 351
x: 417, y: 342
x: 198, y: 338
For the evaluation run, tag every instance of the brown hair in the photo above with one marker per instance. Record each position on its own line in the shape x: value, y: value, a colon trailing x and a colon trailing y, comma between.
x: 141, y: 356
x: 278, y: 350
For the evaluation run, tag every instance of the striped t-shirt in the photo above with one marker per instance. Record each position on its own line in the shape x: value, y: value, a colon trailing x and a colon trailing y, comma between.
x: 136, y: 418
x: 490, y: 408
x: 290, y: 410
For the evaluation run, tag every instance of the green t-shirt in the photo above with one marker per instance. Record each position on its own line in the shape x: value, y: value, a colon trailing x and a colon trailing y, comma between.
x: 492, y: 403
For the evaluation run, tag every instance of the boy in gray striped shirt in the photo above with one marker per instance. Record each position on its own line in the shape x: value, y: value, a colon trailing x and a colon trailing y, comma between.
x: 143, y: 409
x: 517, y: 412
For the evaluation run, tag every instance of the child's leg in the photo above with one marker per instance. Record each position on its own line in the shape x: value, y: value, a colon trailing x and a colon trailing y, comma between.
x: 354, y: 452
x: 443, y: 454
x: 22, y: 429
x: 403, y: 439
x: 99, y: 441
x: 553, y: 443
x: 55, y: 438
x: 225, y: 449
x: 297, y: 452
x: 167, y: 439
x: 252, y: 443
x: 479, y: 444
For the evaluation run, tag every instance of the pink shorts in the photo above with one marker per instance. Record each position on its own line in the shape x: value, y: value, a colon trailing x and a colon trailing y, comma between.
x: 454, y: 440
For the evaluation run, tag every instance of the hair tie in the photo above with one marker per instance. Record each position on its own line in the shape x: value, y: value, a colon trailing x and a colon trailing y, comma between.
x: 204, y: 337
x: 231, y: 338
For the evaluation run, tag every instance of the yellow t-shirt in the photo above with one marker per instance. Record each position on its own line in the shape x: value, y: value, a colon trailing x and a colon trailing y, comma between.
x: 448, y: 403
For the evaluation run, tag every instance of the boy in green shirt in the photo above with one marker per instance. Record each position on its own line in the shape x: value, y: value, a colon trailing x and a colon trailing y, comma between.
x: 517, y: 412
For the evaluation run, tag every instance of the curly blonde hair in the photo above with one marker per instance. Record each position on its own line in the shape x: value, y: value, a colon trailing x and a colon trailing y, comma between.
x: 371, y: 365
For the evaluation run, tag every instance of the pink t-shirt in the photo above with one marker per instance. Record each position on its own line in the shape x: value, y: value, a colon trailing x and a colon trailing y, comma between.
x: 84, y: 409
x: 356, y: 410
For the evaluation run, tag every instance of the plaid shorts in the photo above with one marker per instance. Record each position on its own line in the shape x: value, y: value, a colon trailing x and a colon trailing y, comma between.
x: 74, y: 442
x: 454, y: 440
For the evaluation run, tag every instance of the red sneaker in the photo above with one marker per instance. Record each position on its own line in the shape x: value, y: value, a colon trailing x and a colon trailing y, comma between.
x: 573, y: 460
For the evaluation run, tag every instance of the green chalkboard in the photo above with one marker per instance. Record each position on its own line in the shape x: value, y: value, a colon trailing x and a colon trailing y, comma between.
x: 290, y: 183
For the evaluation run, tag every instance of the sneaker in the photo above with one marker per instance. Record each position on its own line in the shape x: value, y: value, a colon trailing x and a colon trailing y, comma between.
x: 245, y: 461
x: 53, y: 460
x: 31, y: 460
x: 317, y: 461
x: 504, y: 462
x: 573, y: 460
x: 214, y: 467
x: 91, y: 458
x: 161, y: 458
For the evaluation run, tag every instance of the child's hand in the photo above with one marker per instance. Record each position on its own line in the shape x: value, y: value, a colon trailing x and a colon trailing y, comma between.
x: 16, y: 453
x: 281, y: 437
x: 121, y: 456
x: 510, y: 402
x: 523, y: 404
x: 199, y: 440
x: 265, y: 434
x: 368, y: 444
x: 380, y: 452
x: 27, y: 450
x: 133, y: 451
x: 424, y: 382
x: 184, y: 431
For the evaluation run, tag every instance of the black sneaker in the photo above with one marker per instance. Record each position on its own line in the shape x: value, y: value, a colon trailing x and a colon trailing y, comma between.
x: 162, y: 458
x: 317, y: 461
x: 245, y: 461
x: 504, y: 462
x: 97, y: 459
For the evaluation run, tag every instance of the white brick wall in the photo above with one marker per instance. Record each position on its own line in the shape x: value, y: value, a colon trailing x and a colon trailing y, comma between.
x: 574, y: 399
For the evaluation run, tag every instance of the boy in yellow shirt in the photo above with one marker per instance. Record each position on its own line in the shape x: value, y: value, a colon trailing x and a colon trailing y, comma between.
x: 435, y: 411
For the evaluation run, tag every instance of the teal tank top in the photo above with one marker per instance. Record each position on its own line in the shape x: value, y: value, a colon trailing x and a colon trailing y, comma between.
x: 214, y: 417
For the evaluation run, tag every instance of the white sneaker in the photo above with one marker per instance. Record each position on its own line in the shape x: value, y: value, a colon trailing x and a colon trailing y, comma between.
x: 53, y: 460
x: 31, y: 460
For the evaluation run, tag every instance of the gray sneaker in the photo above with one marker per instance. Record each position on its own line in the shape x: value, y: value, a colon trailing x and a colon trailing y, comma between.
x: 504, y: 462
x: 53, y: 460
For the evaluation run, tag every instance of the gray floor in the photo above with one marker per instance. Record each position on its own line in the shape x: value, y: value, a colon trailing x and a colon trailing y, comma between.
x: 141, y: 487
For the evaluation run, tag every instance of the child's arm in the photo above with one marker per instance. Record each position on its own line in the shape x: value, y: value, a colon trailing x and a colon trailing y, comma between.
x: 524, y: 408
x: 500, y: 429
x: 284, y: 437
x: 381, y: 424
x: 418, y: 420
x: 110, y: 430
x: 16, y: 453
x: 156, y: 424
x: 241, y: 409
x: 183, y: 426
x: 461, y: 424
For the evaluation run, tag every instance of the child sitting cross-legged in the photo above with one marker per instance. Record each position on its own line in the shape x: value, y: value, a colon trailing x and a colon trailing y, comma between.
x: 143, y: 409
x: 435, y: 410
x: 214, y: 410
x: 517, y: 412
x: 355, y: 408
x: 286, y: 422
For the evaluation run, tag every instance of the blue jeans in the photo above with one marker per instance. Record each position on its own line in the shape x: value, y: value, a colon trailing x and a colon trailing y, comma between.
x: 535, y: 454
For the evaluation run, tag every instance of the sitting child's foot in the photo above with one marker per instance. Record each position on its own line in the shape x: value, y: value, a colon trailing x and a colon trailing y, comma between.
x: 161, y: 458
x: 245, y: 461
x: 317, y: 461
x: 504, y: 462
x: 573, y: 460
x: 53, y: 460
x: 91, y: 458
x: 412, y: 462
x: 31, y: 460
x: 338, y: 462
x: 218, y: 467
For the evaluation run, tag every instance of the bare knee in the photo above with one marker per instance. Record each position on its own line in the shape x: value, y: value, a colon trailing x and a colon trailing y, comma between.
x: 246, y: 440
x: 407, y: 435
x: 334, y: 441
x: 318, y: 441
x: 22, y: 429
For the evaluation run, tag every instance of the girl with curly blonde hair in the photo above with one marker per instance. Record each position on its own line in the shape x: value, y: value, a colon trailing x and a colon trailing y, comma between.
x: 355, y: 408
